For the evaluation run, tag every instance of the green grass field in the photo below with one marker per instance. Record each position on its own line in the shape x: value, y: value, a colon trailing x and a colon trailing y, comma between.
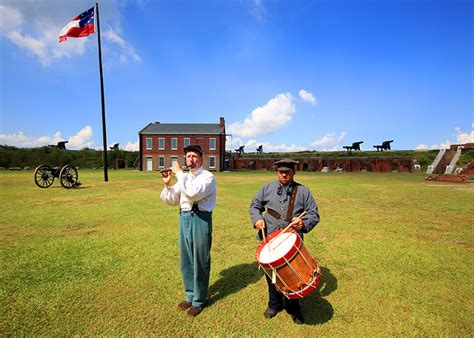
x: 396, y: 252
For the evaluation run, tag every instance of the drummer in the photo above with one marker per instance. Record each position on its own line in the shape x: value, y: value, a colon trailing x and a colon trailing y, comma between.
x: 272, y: 209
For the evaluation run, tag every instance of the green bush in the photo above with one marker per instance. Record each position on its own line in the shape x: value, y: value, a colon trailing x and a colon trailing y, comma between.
x: 86, y: 158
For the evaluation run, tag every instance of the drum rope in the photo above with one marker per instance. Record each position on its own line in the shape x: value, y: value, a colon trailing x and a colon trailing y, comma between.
x: 304, y: 258
x: 293, y: 270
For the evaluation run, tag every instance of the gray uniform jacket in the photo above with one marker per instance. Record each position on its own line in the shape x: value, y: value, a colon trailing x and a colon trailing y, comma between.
x: 275, y: 196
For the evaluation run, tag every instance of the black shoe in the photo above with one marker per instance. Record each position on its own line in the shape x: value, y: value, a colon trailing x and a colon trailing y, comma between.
x: 270, y: 313
x: 183, y: 306
x: 194, y: 311
x: 297, y: 318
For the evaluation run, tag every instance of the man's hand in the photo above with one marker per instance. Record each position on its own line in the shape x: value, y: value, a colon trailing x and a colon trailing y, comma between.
x: 175, y: 167
x: 297, y: 224
x: 166, y: 177
x: 260, y: 224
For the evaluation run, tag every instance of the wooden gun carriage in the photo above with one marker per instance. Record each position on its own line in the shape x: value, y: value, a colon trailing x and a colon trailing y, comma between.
x: 44, y: 176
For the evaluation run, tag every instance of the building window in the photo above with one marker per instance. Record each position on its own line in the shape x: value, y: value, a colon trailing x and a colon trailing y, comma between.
x: 212, y: 144
x: 149, y: 143
x: 161, y: 161
x: 187, y: 142
x: 161, y: 143
x: 212, y: 162
x: 174, y: 143
x: 174, y: 159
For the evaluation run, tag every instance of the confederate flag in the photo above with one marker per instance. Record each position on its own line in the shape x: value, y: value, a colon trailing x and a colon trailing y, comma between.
x: 81, y: 25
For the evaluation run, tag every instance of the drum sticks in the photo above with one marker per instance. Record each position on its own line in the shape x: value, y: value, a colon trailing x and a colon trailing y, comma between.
x: 289, y: 225
x: 293, y: 220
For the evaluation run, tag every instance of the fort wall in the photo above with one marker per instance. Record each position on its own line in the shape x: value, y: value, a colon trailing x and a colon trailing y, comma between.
x: 348, y: 164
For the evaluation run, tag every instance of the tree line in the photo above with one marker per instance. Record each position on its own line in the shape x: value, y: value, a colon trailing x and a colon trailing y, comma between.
x: 11, y: 156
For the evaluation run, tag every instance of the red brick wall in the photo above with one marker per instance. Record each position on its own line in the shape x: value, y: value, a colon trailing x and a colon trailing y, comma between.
x: 202, y: 140
x: 465, y: 145
x: 348, y: 164
x: 468, y: 169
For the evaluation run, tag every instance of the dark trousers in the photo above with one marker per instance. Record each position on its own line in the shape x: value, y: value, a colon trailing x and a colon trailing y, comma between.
x: 278, y: 302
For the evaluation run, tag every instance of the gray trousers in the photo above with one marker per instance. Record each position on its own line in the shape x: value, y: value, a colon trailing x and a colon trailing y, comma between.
x: 195, y: 237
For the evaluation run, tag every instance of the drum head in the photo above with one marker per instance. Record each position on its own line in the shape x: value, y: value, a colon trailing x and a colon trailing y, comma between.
x: 277, y: 248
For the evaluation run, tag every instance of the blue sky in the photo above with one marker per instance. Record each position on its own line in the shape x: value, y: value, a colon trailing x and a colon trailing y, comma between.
x: 291, y: 75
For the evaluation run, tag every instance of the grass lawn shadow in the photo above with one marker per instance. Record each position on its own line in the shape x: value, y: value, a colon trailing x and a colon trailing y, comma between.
x: 316, y: 309
x: 232, y: 280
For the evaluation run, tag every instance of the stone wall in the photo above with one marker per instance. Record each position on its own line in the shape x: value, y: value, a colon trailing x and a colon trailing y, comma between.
x: 348, y: 164
x: 469, y: 169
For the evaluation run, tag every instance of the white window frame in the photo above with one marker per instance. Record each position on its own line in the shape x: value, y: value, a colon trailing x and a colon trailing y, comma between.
x: 186, y: 142
x: 212, y: 147
x: 149, y: 139
x: 210, y: 165
x: 159, y: 143
x: 175, y: 140
x: 160, y: 158
x: 174, y: 159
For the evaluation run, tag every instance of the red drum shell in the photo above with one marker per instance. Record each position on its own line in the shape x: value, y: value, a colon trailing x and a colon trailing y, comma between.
x: 281, y: 260
x: 297, y: 272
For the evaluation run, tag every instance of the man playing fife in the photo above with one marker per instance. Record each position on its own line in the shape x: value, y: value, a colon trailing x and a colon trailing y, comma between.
x: 195, y: 193
x: 275, y: 198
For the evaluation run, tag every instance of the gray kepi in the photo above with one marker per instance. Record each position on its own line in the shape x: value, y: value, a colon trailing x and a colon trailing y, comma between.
x: 286, y: 164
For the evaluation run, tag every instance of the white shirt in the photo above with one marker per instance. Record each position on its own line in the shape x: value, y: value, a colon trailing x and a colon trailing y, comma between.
x: 194, y: 187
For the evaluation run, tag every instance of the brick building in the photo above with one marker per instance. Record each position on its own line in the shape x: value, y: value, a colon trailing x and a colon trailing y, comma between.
x: 162, y: 143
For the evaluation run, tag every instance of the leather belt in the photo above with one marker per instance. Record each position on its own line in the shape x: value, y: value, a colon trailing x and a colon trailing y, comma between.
x: 275, y: 214
x: 194, y: 209
x: 291, y: 205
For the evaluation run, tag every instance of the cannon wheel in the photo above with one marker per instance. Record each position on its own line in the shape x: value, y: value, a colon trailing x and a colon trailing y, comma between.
x: 68, y: 176
x: 44, y: 176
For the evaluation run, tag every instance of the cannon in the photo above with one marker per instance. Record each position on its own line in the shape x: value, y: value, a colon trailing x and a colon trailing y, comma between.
x: 60, y: 145
x: 354, y: 146
x: 384, y: 146
x: 240, y: 150
x: 67, y: 175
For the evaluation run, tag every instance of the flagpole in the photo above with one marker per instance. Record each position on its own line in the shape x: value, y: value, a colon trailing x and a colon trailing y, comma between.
x: 104, y: 133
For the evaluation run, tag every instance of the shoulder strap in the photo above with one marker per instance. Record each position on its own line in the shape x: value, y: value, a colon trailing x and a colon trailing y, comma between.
x: 291, y: 203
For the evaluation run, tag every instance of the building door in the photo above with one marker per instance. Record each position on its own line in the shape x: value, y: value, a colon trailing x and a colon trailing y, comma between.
x: 149, y: 163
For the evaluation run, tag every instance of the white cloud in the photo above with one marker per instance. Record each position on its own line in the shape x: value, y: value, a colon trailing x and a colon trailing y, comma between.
x: 444, y: 145
x: 266, y: 119
x: 81, y: 140
x: 258, y: 11
x: 10, y: 18
x: 329, y: 142
x: 464, y: 137
x: 126, y: 50
x: 35, y: 33
x: 131, y: 146
x: 307, y: 96
x: 21, y: 140
x: 34, y: 26
x: 251, y: 146
x: 461, y: 138
x: 422, y: 147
